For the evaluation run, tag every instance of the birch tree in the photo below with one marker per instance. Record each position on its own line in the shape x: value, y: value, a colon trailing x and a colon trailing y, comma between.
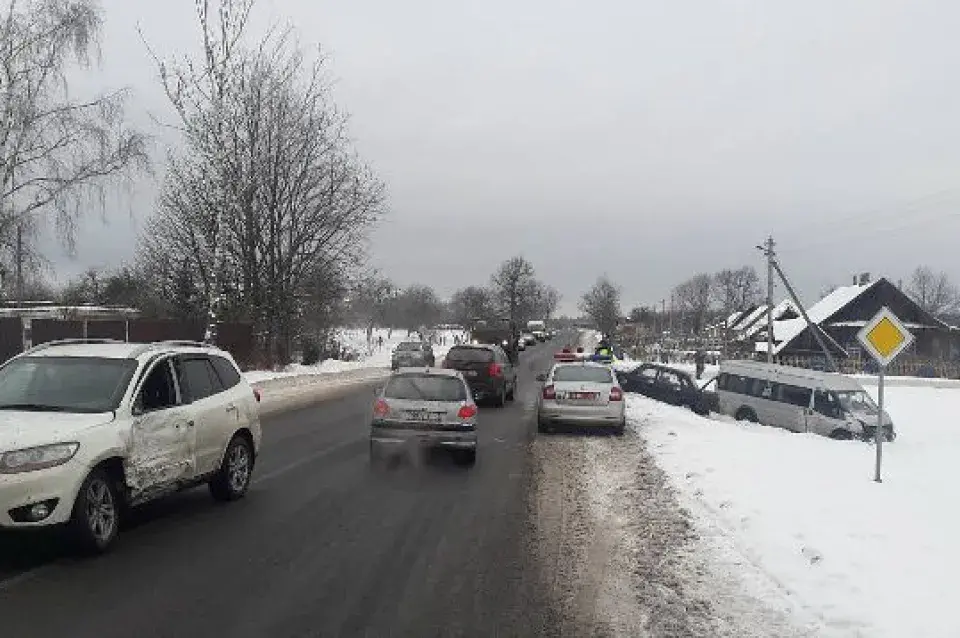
x: 59, y: 152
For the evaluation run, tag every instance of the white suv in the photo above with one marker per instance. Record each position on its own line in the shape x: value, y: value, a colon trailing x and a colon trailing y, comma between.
x: 89, y: 427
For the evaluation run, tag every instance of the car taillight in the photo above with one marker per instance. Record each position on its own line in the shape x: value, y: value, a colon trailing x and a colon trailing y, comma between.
x: 549, y: 392
x: 381, y: 408
x: 495, y: 370
x: 256, y: 394
x: 616, y: 394
x: 467, y: 411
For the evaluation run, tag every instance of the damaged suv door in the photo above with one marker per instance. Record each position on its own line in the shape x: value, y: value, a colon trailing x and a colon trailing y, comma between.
x: 162, y: 443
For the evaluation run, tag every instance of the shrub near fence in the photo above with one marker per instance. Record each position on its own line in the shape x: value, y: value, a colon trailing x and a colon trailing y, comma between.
x: 235, y: 338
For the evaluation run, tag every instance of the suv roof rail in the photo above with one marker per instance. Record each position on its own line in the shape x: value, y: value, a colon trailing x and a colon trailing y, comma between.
x: 171, y: 342
x: 69, y: 342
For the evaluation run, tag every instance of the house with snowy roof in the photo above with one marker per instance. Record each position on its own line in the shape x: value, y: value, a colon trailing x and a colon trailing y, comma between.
x: 841, y: 314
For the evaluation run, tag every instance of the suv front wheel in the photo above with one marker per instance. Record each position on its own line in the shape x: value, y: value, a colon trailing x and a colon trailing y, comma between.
x: 95, y: 521
x: 231, y: 481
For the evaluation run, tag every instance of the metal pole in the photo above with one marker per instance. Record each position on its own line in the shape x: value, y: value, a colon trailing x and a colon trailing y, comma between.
x: 769, y: 253
x: 814, y: 328
x: 19, y: 264
x: 878, y: 436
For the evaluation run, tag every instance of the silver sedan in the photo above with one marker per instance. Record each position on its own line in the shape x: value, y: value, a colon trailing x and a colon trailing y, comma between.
x: 425, y: 408
x: 580, y: 394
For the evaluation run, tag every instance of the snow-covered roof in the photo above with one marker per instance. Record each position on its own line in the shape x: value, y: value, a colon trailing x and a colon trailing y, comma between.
x: 786, y: 330
x: 751, y: 318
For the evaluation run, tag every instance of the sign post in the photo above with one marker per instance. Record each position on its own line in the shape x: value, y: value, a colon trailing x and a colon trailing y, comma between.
x: 884, y: 337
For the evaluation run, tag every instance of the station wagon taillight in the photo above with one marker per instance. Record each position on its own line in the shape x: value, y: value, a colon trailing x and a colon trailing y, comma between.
x: 549, y: 392
x: 616, y: 394
x: 256, y: 394
x: 495, y: 370
x: 467, y: 411
x: 381, y: 408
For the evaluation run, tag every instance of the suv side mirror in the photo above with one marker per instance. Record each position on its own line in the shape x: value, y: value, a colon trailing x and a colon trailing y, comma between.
x: 542, y: 378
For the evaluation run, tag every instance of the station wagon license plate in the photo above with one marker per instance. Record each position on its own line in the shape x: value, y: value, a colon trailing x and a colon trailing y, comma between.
x: 471, y: 373
x: 583, y: 396
x: 425, y: 417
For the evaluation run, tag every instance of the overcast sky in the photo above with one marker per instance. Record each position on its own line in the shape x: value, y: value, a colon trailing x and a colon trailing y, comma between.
x: 649, y: 140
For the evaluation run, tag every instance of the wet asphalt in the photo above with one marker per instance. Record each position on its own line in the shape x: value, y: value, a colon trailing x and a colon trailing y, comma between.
x: 323, y: 544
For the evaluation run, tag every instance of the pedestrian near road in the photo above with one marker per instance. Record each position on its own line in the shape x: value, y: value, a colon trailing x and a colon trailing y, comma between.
x: 700, y: 358
x: 380, y: 342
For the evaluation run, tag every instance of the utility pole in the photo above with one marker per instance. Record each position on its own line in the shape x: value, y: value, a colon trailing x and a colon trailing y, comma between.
x: 769, y: 253
x: 19, y: 258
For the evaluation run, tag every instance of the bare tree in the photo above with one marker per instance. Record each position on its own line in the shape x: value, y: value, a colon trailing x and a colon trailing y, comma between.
x: 418, y: 306
x: 57, y: 151
x: 514, y: 286
x: 933, y: 291
x: 471, y: 304
x: 268, y: 194
x: 545, y: 301
x: 693, y: 298
x: 736, y: 289
x: 371, y: 300
x: 602, y: 304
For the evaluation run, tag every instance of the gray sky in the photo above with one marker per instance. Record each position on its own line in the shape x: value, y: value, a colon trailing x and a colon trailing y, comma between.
x: 646, y: 140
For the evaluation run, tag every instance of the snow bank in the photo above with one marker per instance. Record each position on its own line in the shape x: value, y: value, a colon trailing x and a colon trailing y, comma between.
x: 374, y: 357
x: 860, y: 558
x: 299, y: 386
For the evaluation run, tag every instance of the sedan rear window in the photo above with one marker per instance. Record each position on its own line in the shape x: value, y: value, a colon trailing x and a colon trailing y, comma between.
x: 409, y: 346
x: 479, y: 355
x: 585, y: 374
x: 425, y: 387
x: 64, y: 384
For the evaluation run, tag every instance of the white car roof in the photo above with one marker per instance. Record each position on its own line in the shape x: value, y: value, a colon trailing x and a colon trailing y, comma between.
x: 119, y: 349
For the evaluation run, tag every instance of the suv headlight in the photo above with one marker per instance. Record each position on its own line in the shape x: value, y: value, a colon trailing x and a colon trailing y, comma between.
x: 37, y: 458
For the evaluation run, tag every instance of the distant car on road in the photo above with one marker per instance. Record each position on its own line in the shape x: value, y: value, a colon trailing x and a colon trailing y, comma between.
x: 487, y: 370
x: 90, y: 427
x: 425, y: 408
x: 413, y: 354
x: 668, y: 385
x: 580, y: 394
x: 529, y: 338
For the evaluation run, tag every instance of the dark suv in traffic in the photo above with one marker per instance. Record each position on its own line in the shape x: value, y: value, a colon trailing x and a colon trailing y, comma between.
x: 487, y: 370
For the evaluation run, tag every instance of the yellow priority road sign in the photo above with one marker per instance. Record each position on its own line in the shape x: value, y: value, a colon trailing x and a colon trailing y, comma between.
x: 885, y: 337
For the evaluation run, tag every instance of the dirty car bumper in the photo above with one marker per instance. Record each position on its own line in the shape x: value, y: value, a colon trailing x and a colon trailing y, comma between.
x: 462, y: 438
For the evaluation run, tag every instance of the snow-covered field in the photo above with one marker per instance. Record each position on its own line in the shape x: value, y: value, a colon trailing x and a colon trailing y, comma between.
x: 372, y: 362
x: 801, y: 514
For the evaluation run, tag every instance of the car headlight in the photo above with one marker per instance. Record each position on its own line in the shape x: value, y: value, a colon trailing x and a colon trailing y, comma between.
x: 37, y: 458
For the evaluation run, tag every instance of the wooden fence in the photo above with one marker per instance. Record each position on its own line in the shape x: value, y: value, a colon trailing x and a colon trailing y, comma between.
x: 16, y: 333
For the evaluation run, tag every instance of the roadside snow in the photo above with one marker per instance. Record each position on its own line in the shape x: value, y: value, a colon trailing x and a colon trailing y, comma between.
x: 850, y: 556
x: 375, y: 360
